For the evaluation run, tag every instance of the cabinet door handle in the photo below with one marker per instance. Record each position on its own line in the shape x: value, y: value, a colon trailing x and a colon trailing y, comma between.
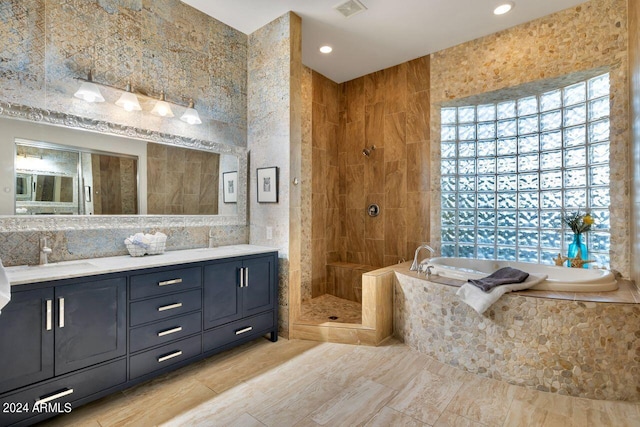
x: 241, y: 277
x: 58, y: 395
x: 246, y: 277
x: 49, y: 315
x: 245, y: 330
x: 170, y: 282
x: 61, y: 312
x: 169, y: 356
x: 170, y: 306
x: 170, y: 331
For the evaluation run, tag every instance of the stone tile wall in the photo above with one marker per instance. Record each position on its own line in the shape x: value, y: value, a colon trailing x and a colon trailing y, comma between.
x: 275, y: 139
x: 157, y: 45
x: 586, y: 37
x: 634, y: 68
x: 584, y: 349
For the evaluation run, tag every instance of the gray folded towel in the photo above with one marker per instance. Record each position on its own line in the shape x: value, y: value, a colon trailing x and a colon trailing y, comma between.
x: 504, y: 276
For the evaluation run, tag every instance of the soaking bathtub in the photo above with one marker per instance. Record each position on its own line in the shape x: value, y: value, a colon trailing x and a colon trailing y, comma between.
x: 559, y: 278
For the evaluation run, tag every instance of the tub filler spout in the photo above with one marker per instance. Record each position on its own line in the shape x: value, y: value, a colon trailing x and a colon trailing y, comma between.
x: 415, y: 266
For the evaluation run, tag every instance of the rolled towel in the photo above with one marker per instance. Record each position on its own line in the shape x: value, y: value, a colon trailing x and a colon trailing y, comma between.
x: 480, y: 301
x: 141, y: 240
x: 504, y: 276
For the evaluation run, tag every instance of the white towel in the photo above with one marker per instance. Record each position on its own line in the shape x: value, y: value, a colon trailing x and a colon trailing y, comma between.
x: 480, y: 301
x: 5, y: 287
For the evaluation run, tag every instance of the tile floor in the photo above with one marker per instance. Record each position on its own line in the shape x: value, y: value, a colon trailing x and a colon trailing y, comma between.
x: 319, y: 309
x: 305, y: 383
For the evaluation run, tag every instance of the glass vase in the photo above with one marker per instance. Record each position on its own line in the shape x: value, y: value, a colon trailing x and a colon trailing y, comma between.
x: 578, y: 246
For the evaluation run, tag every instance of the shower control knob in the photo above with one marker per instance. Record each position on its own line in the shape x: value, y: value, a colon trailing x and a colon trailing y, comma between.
x: 373, y: 210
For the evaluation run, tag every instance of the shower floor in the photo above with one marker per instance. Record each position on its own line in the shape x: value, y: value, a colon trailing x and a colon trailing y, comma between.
x: 320, y: 309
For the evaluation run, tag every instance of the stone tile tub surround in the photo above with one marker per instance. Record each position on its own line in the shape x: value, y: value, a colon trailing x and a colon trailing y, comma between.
x: 577, y: 348
x: 593, y: 35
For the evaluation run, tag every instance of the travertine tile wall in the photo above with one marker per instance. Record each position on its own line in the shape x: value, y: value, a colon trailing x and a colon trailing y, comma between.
x: 157, y: 44
x: 275, y: 139
x: 326, y: 220
x: 388, y: 109
x: 181, y: 181
x: 591, y: 35
x: 634, y: 62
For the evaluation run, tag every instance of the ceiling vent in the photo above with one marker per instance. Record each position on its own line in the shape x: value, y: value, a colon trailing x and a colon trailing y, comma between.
x: 350, y: 8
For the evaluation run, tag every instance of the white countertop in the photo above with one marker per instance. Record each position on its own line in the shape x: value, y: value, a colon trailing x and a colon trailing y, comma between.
x: 23, y: 274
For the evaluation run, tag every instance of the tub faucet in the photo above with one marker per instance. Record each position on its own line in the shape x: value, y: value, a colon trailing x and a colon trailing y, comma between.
x: 44, y: 251
x: 416, y: 264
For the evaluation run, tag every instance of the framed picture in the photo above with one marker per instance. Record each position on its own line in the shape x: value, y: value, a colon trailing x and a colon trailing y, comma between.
x: 230, y: 186
x: 267, y: 185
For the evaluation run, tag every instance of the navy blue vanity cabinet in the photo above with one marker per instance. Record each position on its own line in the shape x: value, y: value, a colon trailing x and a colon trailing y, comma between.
x: 240, y: 300
x: 90, y: 323
x: 165, y: 319
x: 26, y: 339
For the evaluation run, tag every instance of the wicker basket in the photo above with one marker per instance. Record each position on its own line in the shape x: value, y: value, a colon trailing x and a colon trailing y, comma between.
x: 157, y: 246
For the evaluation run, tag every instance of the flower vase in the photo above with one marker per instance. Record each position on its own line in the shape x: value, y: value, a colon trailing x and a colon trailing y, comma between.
x: 578, y: 248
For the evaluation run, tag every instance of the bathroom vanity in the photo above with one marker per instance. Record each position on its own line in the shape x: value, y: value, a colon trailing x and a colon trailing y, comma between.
x: 77, y: 331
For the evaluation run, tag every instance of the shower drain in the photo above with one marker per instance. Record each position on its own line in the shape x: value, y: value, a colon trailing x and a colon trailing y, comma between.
x: 333, y: 317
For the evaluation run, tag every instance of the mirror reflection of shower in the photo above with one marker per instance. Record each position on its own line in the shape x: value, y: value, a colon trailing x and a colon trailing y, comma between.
x: 368, y: 151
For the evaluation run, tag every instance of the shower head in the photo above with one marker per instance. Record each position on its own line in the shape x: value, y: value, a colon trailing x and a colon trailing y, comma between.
x: 367, y: 151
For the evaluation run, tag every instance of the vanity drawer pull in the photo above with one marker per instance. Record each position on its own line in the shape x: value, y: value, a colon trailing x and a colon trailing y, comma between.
x: 55, y: 396
x: 169, y: 356
x: 245, y: 330
x: 61, y: 312
x: 49, y: 314
x: 170, y: 306
x: 170, y: 282
x: 170, y: 331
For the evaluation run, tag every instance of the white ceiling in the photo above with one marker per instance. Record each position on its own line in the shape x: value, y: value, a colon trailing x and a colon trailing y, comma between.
x: 388, y: 33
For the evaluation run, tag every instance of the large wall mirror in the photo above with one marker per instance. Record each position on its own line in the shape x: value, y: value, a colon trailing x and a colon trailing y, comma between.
x: 64, y: 172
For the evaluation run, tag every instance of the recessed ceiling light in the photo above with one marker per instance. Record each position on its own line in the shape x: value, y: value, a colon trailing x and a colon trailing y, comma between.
x: 503, y: 8
x: 326, y: 49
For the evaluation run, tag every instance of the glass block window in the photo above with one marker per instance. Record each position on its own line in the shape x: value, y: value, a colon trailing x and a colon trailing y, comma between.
x: 510, y: 170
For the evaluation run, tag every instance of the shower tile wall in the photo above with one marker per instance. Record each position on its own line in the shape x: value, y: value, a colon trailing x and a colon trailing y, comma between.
x: 388, y: 109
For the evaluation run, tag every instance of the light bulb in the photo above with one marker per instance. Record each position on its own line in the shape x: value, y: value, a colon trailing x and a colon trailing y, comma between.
x: 503, y: 8
x: 89, y: 92
x: 162, y: 107
x: 326, y: 49
x: 129, y: 102
x: 191, y: 115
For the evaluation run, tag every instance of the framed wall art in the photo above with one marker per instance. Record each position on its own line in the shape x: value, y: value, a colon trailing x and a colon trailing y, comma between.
x: 267, y: 185
x: 230, y: 187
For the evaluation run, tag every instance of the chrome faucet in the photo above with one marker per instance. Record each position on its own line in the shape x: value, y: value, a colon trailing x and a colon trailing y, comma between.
x: 44, y: 251
x: 211, y: 239
x: 416, y: 264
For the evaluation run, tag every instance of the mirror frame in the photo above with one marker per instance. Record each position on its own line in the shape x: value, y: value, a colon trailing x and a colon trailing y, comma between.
x: 10, y: 223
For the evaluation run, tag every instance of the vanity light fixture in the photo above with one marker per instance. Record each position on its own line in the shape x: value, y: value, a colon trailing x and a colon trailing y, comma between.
x: 326, y: 49
x: 191, y: 115
x: 128, y: 100
x: 89, y: 91
x: 162, y: 107
x: 503, y: 8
